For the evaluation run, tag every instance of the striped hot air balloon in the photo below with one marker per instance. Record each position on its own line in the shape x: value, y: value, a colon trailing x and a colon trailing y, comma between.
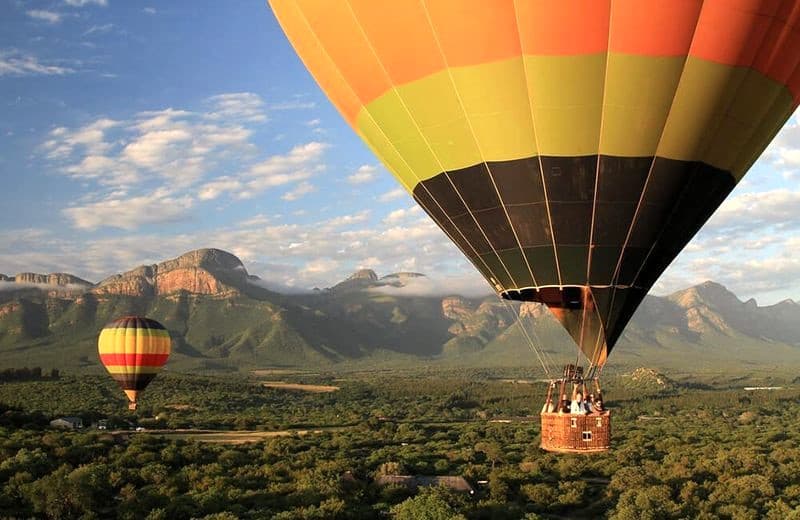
x: 133, y: 350
x: 569, y: 148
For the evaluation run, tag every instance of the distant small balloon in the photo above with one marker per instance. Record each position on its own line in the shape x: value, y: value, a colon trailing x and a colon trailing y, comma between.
x: 133, y: 350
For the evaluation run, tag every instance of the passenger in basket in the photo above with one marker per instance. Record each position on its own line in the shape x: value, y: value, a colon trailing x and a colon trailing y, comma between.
x: 549, y: 405
x: 598, y: 404
x: 577, y: 406
x: 564, y: 408
x: 588, y: 404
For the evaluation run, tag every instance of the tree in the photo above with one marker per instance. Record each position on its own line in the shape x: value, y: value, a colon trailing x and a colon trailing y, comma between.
x: 492, y: 450
x: 390, y: 468
x: 649, y: 503
x: 430, y: 504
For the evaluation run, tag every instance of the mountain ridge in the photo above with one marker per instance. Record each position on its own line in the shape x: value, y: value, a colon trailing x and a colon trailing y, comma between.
x: 222, y: 318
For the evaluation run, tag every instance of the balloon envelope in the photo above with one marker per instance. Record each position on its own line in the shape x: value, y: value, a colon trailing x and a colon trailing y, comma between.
x: 133, y: 350
x: 570, y: 149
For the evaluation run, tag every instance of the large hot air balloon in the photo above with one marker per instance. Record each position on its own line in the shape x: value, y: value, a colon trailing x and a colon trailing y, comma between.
x: 133, y: 350
x: 569, y: 148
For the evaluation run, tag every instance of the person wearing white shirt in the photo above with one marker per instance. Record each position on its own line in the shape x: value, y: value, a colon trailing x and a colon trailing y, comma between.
x: 577, y: 407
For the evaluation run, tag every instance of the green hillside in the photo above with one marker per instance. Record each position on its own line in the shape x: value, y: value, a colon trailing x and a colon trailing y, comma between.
x: 222, y: 320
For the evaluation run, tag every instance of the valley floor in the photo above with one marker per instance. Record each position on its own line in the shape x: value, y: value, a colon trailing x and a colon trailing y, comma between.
x: 229, y: 447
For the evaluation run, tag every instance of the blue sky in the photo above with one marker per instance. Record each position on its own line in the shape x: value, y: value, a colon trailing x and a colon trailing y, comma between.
x: 133, y: 131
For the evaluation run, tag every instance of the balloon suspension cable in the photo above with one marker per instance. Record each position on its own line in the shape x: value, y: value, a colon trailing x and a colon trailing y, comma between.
x: 539, y: 352
x: 591, y: 371
x: 545, y: 354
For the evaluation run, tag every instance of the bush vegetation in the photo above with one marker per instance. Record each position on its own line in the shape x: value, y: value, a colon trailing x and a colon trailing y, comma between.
x: 678, y: 453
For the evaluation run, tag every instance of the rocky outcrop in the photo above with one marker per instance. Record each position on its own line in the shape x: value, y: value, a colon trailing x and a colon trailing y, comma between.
x: 648, y: 378
x: 362, y: 279
x: 135, y: 283
x: 471, y: 319
x: 59, y: 279
x: 364, y: 274
x: 701, y: 319
x: 710, y: 307
x: 455, y: 308
x: 193, y: 280
x: 55, y: 285
x: 533, y: 310
x: 204, y: 271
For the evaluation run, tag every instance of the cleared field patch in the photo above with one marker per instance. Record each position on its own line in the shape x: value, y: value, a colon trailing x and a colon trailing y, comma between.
x: 299, y: 387
x: 266, y: 372
x: 227, y: 437
x: 180, y: 406
x: 239, y: 437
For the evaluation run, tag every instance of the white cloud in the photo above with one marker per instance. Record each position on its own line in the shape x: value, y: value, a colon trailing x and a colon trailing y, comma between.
x: 397, y: 193
x: 14, y: 63
x: 750, y: 245
x: 469, y: 285
x: 755, y: 210
x: 784, y: 151
x: 212, y: 190
x: 149, y: 10
x: 45, y: 16
x: 239, y: 106
x: 98, y: 29
x: 112, y: 172
x: 322, y: 266
x: 176, y: 149
x: 400, y: 215
x: 150, y: 148
x: 299, y: 164
x: 346, y: 220
x: 90, y: 139
x: 175, y: 145
x: 298, y: 157
x: 81, y: 3
x: 293, y: 105
x: 771, y: 278
x: 16, y: 286
x: 129, y: 213
x: 364, y: 174
x: 318, y: 253
x: 302, y: 189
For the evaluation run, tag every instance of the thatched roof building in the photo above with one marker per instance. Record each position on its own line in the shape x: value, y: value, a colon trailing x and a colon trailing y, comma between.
x: 416, y: 481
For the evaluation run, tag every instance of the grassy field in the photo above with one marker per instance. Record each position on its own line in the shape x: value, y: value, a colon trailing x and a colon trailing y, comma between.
x: 282, y: 385
x: 225, y: 437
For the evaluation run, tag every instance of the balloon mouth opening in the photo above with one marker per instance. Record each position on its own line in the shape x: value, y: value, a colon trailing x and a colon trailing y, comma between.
x: 575, y: 307
x: 564, y: 297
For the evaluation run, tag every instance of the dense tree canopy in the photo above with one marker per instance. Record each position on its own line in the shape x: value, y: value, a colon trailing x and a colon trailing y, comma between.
x: 678, y: 453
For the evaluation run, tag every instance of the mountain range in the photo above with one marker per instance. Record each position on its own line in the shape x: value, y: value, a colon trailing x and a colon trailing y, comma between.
x: 223, y: 319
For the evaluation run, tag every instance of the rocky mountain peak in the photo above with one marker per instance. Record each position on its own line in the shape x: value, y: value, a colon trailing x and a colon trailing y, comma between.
x: 364, y: 274
x: 61, y: 285
x: 203, y: 271
x: 707, y: 293
x: 455, y: 307
x: 358, y: 281
x: 649, y: 378
x: 210, y: 259
x: 55, y: 279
